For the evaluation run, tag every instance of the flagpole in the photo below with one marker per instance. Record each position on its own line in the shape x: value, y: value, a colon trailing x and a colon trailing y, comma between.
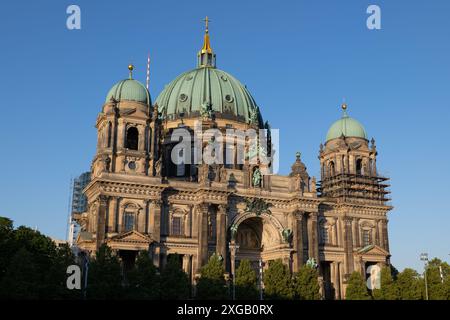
x: 148, y: 71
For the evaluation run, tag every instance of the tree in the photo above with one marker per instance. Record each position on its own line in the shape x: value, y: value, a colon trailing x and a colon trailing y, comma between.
x: 409, y: 285
x: 388, y: 289
x: 436, y: 287
x: 21, y: 279
x: 306, y: 284
x: 277, y: 281
x: 43, y: 273
x: 174, y: 281
x: 7, y: 245
x: 246, y: 280
x: 212, y: 285
x: 143, y: 279
x: 104, y: 275
x: 356, y: 288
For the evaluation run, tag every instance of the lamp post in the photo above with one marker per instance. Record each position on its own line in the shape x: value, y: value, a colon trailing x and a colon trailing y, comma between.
x: 233, y: 249
x: 261, y: 279
x: 424, y: 258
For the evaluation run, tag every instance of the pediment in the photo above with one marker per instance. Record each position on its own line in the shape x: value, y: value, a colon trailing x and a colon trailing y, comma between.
x: 132, y: 236
x: 373, y: 250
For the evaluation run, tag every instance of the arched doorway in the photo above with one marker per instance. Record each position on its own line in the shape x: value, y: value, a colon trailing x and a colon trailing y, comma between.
x: 259, y: 238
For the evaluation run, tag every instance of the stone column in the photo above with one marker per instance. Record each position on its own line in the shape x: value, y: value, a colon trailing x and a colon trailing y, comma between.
x: 202, y: 221
x: 313, y: 250
x: 141, y: 216
x: 112, y: 214
x: 348, y: 246
x: 221, y: 233
x: 121, y: 134
x: 298, y: 240
x: 337, y: 279
x: 377, y: 234
x: 382, y: 235
x: 356, y: 241
x: 385, y: 235
x: 141, y: 141
x: 155, y: 219
x: 101, y: 219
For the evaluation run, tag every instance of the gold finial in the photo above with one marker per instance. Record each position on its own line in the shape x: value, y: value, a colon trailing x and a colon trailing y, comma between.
x: 206, y: 23
x: 344, y: 106
x: 206, y: 44
x: 130, y: 68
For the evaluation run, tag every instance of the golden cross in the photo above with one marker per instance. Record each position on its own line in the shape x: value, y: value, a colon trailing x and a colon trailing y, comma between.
x: 206, y: 22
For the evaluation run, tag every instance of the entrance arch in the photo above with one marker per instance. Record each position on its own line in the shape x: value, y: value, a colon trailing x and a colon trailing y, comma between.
x: 259, y: 237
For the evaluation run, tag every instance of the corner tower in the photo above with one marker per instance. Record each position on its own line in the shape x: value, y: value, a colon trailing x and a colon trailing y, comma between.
x: 354, y: 209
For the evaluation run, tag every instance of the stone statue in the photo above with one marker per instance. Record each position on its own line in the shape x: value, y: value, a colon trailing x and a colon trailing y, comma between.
x: 254, y: 116
x: 223, y: 174
x: 206, y: 110
x: 158, y: 167
x: 312, y: 263
x: 256, y: 179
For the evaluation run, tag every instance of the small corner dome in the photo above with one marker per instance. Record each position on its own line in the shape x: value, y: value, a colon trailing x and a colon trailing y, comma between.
x: 347, y: 127
x: 129, y: 89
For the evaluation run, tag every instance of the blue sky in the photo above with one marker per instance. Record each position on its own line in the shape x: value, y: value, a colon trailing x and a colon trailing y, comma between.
x: 299, y: 59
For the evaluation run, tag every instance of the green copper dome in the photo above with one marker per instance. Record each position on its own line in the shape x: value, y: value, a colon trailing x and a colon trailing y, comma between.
x: 129, y: 89
x: 208, y: 85
x: 347, y: 127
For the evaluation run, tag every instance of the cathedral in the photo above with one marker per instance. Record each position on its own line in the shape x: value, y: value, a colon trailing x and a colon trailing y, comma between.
x: 140, y: 199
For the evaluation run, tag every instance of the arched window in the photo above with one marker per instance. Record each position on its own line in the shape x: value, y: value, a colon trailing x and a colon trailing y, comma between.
x: 176, y: 226
x: 367, y: 237
x: 128, y: 221
x: 331, y: 168
x: 132, y: 139
x: 359, y: 166
x: 109, y: 135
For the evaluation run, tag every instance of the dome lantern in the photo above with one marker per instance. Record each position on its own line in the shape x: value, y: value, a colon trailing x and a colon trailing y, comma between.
x: 206, y: 57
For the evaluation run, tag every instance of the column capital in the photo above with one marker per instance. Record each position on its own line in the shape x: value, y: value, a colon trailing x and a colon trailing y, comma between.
x: 223, y: 208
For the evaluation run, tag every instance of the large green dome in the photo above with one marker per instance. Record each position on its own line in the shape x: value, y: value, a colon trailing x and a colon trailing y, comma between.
x: 225, y: 94
x: 129, y: 89
x: 347, y: 127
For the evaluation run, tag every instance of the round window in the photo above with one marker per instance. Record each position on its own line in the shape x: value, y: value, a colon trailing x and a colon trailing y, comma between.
x: 229, y: 98
x: 132, y: 165
x: 183, y: 97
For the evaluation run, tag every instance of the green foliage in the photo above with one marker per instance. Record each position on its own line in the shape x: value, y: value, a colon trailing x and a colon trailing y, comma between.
x: 437, y: 290
x: 212, y: 285
x: 143, y: 280
x: 356, y: 288
x: 306, y: 284
x: 277, y: 281
x: 31, y: 265
x: 246, y: 282
x: 174, y: 281
x: 388, y: 289
x: 104, y: 276
x: 409, y: 285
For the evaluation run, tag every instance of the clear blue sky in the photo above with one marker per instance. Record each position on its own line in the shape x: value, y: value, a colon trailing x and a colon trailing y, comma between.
x: 298, y: 58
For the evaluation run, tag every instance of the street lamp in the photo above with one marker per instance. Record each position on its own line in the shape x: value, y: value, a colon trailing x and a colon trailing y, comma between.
x: 261, y: 264
x: 233, y: 249
x: 424, y: 258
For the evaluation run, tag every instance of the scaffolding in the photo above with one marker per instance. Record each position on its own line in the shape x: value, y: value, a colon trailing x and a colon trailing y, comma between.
x: 356, y: 188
